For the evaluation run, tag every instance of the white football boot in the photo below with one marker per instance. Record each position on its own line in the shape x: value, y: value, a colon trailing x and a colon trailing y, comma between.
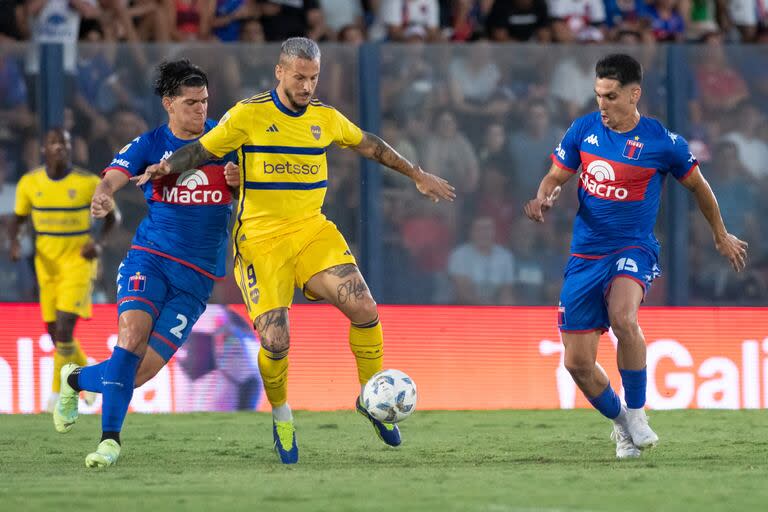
x: 625, y: 448
x: 637, y: 425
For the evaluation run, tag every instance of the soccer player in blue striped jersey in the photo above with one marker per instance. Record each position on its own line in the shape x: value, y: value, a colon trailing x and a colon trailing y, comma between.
x: 177, y: 253
x: 624, y: 158
x: 281, y: 237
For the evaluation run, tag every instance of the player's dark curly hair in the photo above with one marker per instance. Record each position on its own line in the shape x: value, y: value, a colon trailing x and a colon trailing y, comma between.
x: 172, y: 76
x: 620, y: 67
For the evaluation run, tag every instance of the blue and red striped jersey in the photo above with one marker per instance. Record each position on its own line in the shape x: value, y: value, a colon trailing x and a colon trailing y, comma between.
x: 620, y: 181
x: 189, y: 213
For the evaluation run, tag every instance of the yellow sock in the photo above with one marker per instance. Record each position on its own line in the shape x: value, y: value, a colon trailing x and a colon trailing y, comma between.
x: 58, y: 362
x: 62, y: 355
x: 79, y: 357
x: 274, y: 372
x: 367, y: 344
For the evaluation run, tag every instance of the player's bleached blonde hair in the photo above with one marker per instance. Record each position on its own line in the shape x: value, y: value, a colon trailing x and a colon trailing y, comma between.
x: 300, y: 47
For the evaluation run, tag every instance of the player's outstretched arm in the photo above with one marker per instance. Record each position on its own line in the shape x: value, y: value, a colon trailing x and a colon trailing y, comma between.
x: 434, y: 187
x: 549, y: 190
x: 727, y: 244
x: 103, y: 200
x: 186, y: 157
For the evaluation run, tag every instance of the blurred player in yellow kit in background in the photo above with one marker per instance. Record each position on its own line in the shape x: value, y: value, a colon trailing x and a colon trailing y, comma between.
x: 57, y: 196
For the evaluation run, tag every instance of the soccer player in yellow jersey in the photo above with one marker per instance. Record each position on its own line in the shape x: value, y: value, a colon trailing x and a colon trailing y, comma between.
x: 281, y: 237
x: 57, y: 197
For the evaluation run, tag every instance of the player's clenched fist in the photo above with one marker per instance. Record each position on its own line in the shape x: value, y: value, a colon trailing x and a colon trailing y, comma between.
x: 101, y: 205
x: 232, y: 174
x: 535, y: 208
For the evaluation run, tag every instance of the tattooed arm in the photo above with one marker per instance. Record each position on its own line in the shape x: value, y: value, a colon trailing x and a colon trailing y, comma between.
x: 434, y: 187
x: 186, y: 157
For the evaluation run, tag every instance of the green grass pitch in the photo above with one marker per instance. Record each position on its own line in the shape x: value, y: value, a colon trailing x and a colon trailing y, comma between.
x: 450, y: 461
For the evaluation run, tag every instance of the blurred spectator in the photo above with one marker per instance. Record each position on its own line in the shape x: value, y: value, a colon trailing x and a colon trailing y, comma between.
x: 746, y: 15
x: 126, y: 126
x: 282, y: 19
x: 494, y: 200
x: 467, y: 19
x: 410, y: 81
x: 751, y: 148
x: 577, y: 20
x: 721, y: 85
x: 17, y: 124
x: 17, y: 280
x: 227, y: 17
x: 251, y: 31
x: 736, y: 188
x: 404, y: 282
x: 56, y: 21
x: 477, y: 94
x: 573, y: 83
x: 482, y: 271
x: 340, y: 14
x: 428, y: 236
x: 493, y: 148
x: 449, y: 154
x: 530, y: 149
x: 12, y: 22
x: 666, y: 22
x: 98, y: 88
x: 257, y: 74
x: 519, y: 20
x: 396, y: 16
x: 701, y: 18
x: 625, y: 15
x: 151, y: 18
x: 537, y: 261
x: 351, y: 34
x: 190, y: 20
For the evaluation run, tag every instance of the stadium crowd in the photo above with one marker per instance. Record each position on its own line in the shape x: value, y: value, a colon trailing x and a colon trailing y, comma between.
x: 394, y: 20
x: 483, y: 118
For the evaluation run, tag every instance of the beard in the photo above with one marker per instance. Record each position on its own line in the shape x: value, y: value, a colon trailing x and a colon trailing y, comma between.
x: 295, y: 102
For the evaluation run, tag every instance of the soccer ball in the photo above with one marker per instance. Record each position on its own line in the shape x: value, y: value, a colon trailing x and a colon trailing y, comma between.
x: 390, y: 396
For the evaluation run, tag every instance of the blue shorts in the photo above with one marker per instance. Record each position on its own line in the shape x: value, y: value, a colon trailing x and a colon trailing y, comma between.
x: 583, y: 305
x: 173, y: 294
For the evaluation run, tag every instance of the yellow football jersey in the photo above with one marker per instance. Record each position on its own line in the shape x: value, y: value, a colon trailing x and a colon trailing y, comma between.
x: 282, y: 154
x: 60, y: 209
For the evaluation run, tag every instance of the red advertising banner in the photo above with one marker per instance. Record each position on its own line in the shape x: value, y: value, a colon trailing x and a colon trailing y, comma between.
x: 459, y: 357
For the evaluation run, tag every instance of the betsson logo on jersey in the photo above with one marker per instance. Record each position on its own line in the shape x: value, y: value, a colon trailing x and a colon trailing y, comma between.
x: 192, y: 187
x: 289, y: 168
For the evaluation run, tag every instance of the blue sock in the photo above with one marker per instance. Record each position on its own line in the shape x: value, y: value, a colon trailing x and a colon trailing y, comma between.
x: 634, y: 382
x: 90, y: 377
x: 607, y: 403
x: 119, y: 378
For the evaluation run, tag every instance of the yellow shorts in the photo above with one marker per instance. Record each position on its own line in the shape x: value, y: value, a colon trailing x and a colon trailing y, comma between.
x: 65, y: 285
x: 267, y: 271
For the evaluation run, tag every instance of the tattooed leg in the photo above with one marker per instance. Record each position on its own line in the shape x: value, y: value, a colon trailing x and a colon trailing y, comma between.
x: 344, y: 287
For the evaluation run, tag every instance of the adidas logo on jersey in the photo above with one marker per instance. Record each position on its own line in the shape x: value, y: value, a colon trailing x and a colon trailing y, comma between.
x: 272, y: 129
x: 592, y: 139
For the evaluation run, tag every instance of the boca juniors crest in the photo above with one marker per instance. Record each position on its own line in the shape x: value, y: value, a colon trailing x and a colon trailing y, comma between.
x: 315, y: 131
